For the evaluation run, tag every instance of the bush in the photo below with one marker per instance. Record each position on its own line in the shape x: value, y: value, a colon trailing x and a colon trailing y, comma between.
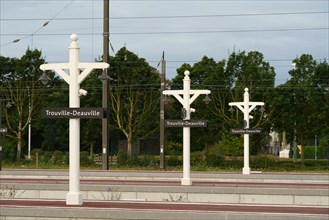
x: 261, y: 162
x: 145, y: 161
x: 58, y: 157
x: 8, y: 150
x: 85, y: 159
x: 324, y: 148
x: 214, y: 160
x: 233, y: 163
x: 197, y: 158
x: 66, y: 158
x: 45, y: 158
x: 122, y: 158
x: 229, y: 146
x: 148, y: 160
x: 173, y: 148
x: 133, y: 160
x: 174, y: 161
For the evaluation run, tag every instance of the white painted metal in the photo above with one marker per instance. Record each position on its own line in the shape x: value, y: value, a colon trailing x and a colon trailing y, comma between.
x: 246, y: 107
x: 74, y: 196
x: 186, y: 101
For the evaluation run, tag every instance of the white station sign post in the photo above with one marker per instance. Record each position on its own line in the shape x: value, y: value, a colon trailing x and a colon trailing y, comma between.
x: 186, y: 101
x: 246, y: 107
x: 74, y: 78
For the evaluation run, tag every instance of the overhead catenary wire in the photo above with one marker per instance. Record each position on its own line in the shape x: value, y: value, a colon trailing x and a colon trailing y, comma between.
x: 181, y: 32
x: 26, y: 35
x: 176, y: 0
x: 90, y: 32
x: 39, y: 29
x: 172, y: 16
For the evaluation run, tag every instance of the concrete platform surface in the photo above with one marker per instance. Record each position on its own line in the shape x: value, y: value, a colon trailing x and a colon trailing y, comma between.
x: 125, y: 210
x: 128, y: 195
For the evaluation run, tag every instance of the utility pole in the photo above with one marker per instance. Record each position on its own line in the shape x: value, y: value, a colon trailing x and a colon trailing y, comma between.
x: 29, y: 129
x: 105, y: 89
x: 162, y: 88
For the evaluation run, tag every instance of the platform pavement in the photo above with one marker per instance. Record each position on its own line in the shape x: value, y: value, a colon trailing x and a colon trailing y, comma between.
x: 163, y: 191
x: 255, y: 176
x: 190, y: 194
x: 56, y: 210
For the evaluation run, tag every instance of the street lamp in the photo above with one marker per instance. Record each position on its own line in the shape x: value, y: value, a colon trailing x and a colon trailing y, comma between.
x: 246, y: 107
x: 44, y: 78
x: 186, y: 101
x: 74, y: 79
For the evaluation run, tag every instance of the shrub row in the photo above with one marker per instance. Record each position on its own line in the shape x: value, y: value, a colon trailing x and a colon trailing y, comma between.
x: 123, y: 160
x: 199, y: 162
x: 45, y: 159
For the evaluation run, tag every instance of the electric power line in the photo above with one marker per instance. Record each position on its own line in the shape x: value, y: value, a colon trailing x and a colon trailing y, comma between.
x: 36, y: 31
x: 173, y: 16
x: 177, y: 32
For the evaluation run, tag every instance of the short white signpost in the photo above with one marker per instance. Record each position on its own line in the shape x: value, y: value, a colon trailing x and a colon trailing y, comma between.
x: 74, y: 79
x: 186, y: 101
x: 246, y: 107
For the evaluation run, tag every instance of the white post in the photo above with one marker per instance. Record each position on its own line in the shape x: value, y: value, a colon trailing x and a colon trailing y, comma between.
x: 186, y: 101
x: 246, y: 168
x: 246, y: 107
x: 74, y: 196
x: 186, y: 180
x: 74, y: 79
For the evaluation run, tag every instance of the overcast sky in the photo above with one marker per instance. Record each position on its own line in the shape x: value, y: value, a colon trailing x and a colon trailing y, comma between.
x: 185, y: 30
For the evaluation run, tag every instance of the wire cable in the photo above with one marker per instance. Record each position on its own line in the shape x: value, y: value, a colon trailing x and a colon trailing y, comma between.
x: 175, y: 16
x: 44, y: 25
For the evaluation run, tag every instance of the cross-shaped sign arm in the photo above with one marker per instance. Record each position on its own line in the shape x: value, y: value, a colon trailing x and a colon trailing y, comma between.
x: 237, y: 104
x: 58, y: 68
x: 196, y: 93
x: 254, y: 104
x: 88, y: 67
x: 176, y: 94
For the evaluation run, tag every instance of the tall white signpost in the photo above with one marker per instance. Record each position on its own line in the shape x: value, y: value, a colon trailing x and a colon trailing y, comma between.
x: 74, y: 78
x: 186, y: 101
x: 246, y: 107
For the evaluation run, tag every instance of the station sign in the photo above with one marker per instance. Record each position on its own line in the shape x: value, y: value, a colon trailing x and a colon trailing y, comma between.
x: 73, y: 113
x: 185, y: 123
x: 245, y: 131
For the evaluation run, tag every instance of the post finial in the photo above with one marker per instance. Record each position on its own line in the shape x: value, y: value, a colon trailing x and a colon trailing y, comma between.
x: 187, y: 73
x: 246, y: 89
x: 74, y: 37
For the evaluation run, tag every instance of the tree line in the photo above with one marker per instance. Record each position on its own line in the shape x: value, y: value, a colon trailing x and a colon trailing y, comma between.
x: 299, y: 107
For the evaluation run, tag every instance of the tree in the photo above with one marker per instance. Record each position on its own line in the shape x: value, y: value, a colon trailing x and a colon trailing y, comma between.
x: 90, y: 138
x: 134, y: 96
x: 301, y: 104
x: 20, y: 87
x: 226, y: 79
x: 54, y: 132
